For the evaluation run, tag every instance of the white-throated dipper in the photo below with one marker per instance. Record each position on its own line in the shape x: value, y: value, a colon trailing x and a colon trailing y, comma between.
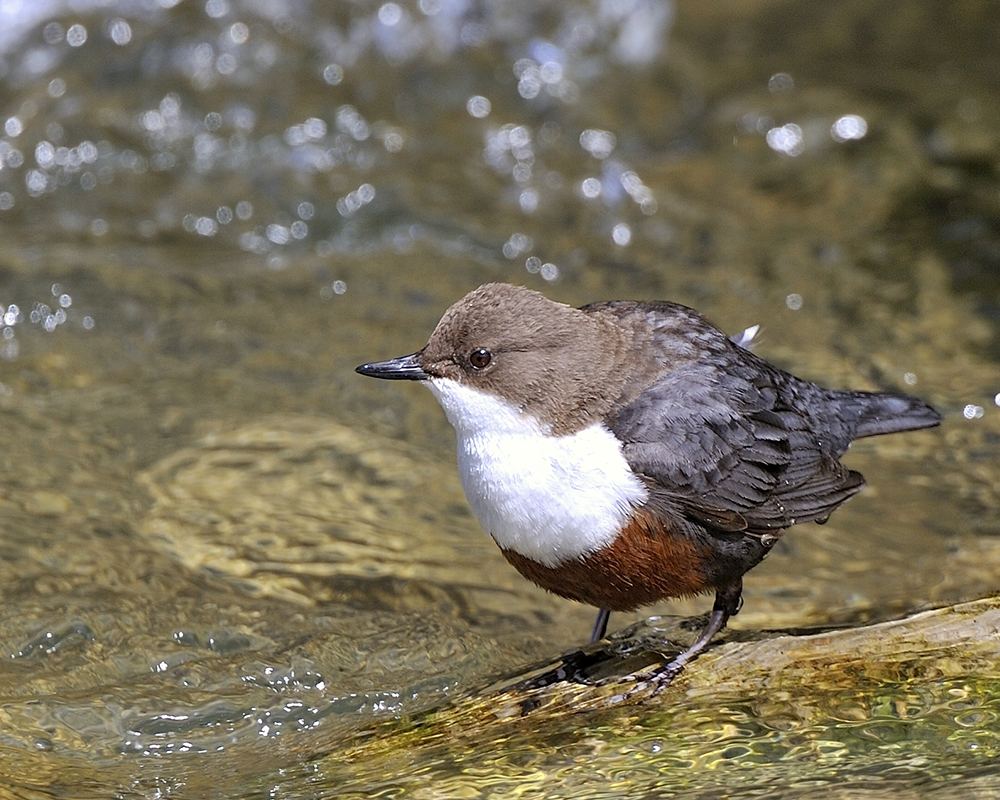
x: 626, y: 452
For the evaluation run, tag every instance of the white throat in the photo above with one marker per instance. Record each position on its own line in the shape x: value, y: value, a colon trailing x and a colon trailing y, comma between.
x: 549, y: 498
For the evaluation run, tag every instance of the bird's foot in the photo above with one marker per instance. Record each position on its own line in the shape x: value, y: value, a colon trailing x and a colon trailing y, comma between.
x: 572, y: 667
x: 649, y: 683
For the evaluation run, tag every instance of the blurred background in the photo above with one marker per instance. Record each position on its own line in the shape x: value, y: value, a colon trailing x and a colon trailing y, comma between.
x: 224, y: 554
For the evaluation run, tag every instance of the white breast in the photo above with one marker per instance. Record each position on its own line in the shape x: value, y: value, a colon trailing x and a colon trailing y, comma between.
x: 550, y: 498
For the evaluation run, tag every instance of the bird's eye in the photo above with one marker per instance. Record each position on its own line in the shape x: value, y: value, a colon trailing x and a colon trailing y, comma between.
x: 481, y: 358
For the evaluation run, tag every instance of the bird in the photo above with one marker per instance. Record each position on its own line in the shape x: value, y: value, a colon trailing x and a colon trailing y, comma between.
x: 626, y: 452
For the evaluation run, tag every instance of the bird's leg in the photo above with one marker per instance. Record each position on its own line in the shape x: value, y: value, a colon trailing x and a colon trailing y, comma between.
x: 600, y: 625
x: 727, y: 604
x: 728, y: 600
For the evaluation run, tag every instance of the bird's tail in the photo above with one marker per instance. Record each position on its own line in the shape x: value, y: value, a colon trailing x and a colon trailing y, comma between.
x: 881, y: 412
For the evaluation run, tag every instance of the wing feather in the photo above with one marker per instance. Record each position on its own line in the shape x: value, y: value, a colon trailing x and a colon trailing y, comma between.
x: 722, y: 436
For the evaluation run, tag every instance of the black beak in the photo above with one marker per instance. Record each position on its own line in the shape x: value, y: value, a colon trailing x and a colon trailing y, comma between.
x: 404, y: 368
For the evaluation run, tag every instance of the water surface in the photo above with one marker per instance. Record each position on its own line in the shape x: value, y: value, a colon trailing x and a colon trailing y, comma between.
x: 229, y: 562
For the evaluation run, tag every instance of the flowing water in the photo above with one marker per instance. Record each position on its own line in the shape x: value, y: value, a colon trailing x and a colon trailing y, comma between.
x: 230, y: 567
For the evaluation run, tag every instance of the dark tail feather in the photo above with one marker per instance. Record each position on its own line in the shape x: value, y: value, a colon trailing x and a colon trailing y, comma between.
x: 879, y: 413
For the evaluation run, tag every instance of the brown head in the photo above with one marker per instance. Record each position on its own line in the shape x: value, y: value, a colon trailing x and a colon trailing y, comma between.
x: 559, y: 364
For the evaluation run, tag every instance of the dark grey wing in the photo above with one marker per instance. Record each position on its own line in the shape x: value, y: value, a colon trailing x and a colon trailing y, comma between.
x: 712, y: 435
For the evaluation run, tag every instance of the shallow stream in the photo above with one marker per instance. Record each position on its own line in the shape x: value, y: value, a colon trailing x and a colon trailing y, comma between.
x: 230, y: 567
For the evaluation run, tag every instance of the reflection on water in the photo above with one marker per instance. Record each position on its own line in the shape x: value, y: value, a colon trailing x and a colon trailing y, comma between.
x: 779, y: 719
x: 217, y: 540
x: 775, y: 716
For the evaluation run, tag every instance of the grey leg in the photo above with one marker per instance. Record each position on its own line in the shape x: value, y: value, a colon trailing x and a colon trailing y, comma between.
x: 600, y: 625
x: 727, y: 604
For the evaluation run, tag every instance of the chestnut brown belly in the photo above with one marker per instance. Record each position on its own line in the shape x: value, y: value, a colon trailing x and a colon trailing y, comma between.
x: 644, y: 564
